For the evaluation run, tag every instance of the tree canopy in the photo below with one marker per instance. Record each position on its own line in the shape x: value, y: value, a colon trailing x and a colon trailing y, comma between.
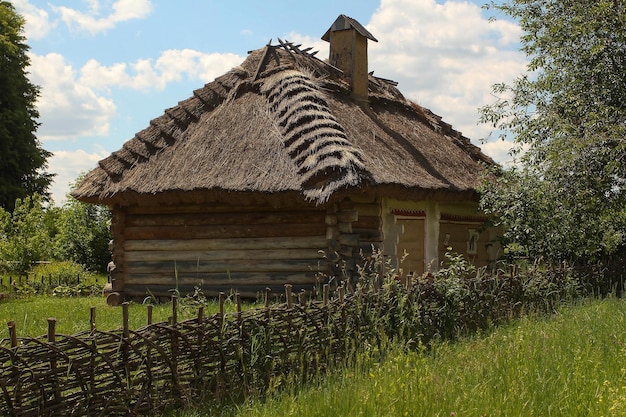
x: 23, y: 159
x: 566, y: 198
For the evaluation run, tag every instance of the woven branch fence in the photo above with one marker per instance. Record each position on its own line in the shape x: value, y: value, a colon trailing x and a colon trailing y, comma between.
x: 128, y: 372
x: 241, y: 354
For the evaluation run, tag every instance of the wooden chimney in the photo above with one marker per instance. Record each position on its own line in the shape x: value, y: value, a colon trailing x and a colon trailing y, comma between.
x: 348, y: 52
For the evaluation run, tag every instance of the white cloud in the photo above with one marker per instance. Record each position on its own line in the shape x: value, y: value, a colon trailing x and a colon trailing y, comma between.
x: 67, y: 107
x: 445, y: 56
x: 173, y: 65
x: 78, y: 103
x: 92, y: 22
x: 498, y: 150
x: 38, y: 22
x: 68, y: 165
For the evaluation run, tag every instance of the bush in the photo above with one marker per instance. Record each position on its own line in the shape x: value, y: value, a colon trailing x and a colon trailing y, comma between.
x: 66, y: 279
x: 60, y: 272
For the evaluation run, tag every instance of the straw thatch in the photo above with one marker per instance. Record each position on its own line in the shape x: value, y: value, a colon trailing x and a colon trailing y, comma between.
x: 284, y: 122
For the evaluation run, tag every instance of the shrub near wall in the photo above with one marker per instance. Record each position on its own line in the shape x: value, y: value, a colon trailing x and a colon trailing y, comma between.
x: 243, y: 354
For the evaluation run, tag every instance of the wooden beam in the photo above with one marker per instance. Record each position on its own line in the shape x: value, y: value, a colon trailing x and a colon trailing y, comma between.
x: 268, y: 243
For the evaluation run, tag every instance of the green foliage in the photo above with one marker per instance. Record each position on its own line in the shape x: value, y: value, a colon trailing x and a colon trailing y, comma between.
x: 23, y: 159
x: 567, y: 116
x: 64, y: 278
x: 83, y: 234
x: 25, y: 235
x: 34, y: 232
x: 60, y: 272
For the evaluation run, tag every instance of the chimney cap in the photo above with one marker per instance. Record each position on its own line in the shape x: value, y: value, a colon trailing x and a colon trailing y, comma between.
x: 344, y: 22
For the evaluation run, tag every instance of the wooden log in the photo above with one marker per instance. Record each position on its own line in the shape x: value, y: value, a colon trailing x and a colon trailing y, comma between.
x: 344, y: 227
x: 223, y: 255
x: 215, y: 207
x: 332, y: 233
x: 367, y: 222
x: 348, y: 216
x: 224, y: 279
x: 349, y: 239
x: 331, y: 220
x: 369, y: 235
x: 226, y: 218
x: 223, y: 231
x: 201, y: 266
x: 365, y: 210
x: 268, y: 243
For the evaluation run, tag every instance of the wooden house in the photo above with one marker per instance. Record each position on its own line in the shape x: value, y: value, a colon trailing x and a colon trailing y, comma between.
x: 284, y: 170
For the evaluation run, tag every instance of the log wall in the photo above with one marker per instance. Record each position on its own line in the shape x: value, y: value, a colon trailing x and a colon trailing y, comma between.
x: 159, y: 249
x: 354, y: 230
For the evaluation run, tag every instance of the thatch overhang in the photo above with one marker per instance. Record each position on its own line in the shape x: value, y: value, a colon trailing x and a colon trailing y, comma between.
x: 283, y: 125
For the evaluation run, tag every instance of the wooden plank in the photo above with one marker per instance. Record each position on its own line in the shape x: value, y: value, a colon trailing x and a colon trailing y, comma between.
x: 349, y: 239
x: 368, y: 210
x: 223, y: 231
x: 201, y: 219
x: 223, y: 255
x: 348, y: 216
x: 369, y: 235
x: 215, y: 207
x: 252, y: 265
x: 367, y: 222
x: 221, y: 279
x: 269, y: 243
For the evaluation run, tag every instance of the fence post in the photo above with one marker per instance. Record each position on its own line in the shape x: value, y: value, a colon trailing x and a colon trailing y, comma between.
x: 174, y: 309
x: 222, y: 296
x: 13, y: 336
x: 174, y: 346
x: 267, y: 297
x: 149, y: 312
x: 52, y: 322
x: 12, y: 333
x: 288, y: 295
x: 92, y: 319
x: 125, y: 342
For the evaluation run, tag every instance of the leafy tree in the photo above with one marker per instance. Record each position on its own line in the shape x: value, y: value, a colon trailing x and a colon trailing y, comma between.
x: 567, y: 117
x: 83, y: 234
x: 23, y: 160
x: 25, y: 234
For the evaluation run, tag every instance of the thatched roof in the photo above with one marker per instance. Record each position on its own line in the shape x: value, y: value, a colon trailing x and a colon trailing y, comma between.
x: 284, y: 122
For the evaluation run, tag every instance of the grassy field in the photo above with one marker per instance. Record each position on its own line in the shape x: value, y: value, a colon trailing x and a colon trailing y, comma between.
x: 30, y: 314
x: 570, y: 364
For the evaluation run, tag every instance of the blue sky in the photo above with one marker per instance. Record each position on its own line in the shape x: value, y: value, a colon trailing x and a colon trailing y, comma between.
x: 107, y: 67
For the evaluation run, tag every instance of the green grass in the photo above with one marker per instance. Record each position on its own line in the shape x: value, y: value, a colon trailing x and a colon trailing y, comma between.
x: 570, y: 364
x: 30, y: 314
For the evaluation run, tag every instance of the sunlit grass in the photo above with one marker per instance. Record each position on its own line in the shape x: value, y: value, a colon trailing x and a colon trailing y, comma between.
x: 570, y: 364
x: 72, y: 314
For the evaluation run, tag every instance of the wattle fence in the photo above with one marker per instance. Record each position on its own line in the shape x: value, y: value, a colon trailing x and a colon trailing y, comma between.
x: 128, y: 372
x: 241, y: 354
